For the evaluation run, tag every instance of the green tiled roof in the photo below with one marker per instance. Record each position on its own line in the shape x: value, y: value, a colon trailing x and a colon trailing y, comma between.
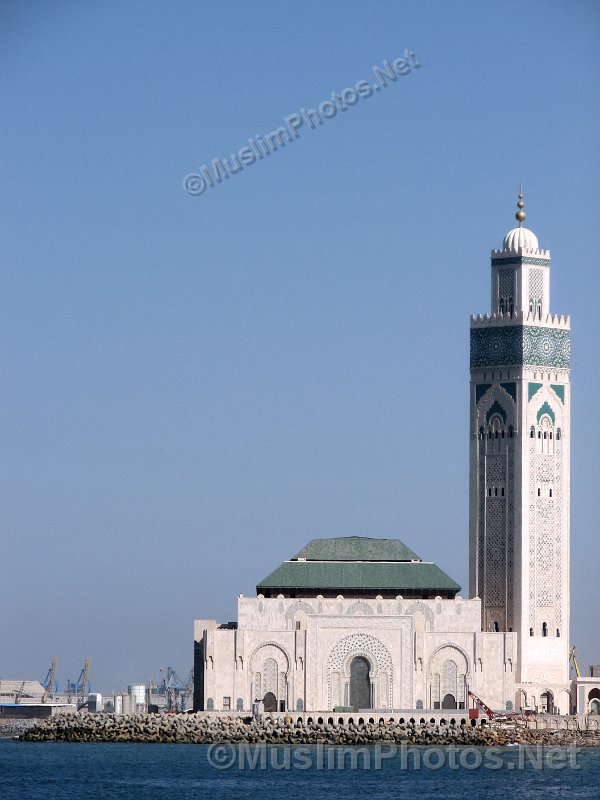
x: 356, y: 562
x: 358, y: 575
x: 356, y: 548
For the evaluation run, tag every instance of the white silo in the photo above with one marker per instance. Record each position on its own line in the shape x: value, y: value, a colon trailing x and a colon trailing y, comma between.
x: 137, y: 692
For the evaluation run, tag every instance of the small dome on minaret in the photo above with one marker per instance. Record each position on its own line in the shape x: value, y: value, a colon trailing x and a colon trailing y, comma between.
x: 520, y: 238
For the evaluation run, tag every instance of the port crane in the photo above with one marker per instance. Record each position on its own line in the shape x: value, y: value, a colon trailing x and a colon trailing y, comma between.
x: 83, y: 685
x: 49, y: 683
x: 176, y: 692
x: 19, y: 693
x: 170, y: 687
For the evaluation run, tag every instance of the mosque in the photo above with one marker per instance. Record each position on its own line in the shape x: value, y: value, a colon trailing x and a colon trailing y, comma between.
x: 358, y: 623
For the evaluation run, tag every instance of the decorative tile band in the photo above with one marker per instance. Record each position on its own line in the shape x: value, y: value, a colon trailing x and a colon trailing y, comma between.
x: 504, y: 262
x: 516, y: 345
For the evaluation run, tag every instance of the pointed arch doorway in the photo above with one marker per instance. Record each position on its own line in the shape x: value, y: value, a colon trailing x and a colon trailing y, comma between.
x: 360, y: 683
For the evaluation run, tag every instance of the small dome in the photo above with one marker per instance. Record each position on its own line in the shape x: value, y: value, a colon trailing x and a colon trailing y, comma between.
x: 519, y: 238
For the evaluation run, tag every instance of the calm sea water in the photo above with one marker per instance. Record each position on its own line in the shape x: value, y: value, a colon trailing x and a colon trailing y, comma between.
x: 63, y: 771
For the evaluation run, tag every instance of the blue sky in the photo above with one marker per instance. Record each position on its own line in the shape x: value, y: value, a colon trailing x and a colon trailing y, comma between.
x: 194, y: 387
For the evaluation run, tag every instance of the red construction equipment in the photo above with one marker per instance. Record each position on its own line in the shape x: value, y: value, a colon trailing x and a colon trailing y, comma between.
x: 482, y: 706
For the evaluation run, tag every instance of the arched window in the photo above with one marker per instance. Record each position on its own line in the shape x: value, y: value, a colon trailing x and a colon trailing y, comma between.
x: 501, y: 305
x: 547, y: 443
x: 495, y: 627
x: 532, y: 433
x: 544, y: 629
x: 531, y: 631
x: 558, y: 633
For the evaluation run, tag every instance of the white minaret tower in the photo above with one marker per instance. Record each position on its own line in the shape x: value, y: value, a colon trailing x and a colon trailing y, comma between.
x: 519, y: 468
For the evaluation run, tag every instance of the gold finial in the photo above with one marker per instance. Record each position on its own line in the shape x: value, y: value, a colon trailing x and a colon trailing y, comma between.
x: 520, y: 215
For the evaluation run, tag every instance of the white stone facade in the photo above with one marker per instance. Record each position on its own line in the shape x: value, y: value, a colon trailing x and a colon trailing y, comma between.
x: 418, y: 652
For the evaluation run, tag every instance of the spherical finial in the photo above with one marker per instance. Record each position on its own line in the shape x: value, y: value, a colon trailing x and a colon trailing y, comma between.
x: 520, y: 215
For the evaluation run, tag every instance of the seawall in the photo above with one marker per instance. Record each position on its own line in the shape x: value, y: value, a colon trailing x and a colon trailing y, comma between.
x: 203, y: 729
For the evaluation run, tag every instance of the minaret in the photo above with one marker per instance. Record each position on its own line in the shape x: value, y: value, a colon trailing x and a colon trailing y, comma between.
x: 519, y: 466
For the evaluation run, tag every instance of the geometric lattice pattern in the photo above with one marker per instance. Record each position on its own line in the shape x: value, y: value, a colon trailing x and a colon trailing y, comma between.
x: 536, y: 286
x: 358, y: 643
x: 515, y: 345
x: 506, y: 286
x: 449, y: 678
x: 547, y: 347
x: 495, y: 552
x: 545, y: 533
x: 496, y: 468
x: 270, y: 677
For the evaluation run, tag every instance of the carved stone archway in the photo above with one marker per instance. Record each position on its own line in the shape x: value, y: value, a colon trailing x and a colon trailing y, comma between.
x: 339, y: 666
x: 269, y: 674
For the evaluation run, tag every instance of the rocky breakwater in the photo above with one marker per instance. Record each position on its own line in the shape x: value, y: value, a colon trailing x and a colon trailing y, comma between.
x: 14, y: 728
x: 203, y: 729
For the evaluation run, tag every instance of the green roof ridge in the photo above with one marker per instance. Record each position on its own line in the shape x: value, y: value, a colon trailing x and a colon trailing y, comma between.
x: 356, y: 548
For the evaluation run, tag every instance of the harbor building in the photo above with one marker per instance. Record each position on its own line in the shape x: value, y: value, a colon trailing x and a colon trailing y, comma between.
x: 358, y: 623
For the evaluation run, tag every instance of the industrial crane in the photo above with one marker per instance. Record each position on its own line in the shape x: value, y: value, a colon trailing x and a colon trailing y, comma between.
x: 482, y: 706
x: 574, y: 655
x: 177, y: 694
x: 49, y: 682
x: 82, y: 684
x: 83, y: 680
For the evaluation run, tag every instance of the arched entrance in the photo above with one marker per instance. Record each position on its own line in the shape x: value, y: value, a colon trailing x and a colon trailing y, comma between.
x: 449, y: 701
x: 448, y: 669
x: 594, y: 701
x: 360, y: 683
x: 268, y: 676
x: 547, y: 703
